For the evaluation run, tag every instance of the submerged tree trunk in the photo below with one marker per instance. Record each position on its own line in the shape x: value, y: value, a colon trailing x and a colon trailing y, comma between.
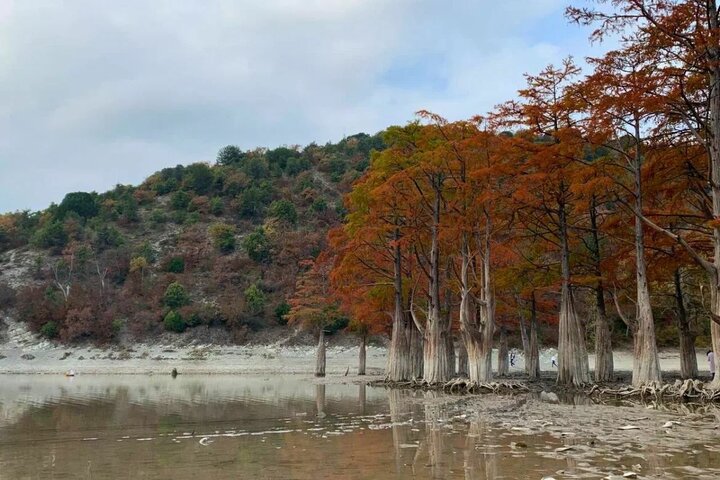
x: 688, y: 358
x: 363, y: 354
x: 320, y: 356
x: 533, y: 359
x: 362, y: 397
x: 503, y: 361
x: 573, y: 366
x: 604, y: 365
x: 646, y: 365
x: 399, y: 366
x: 320, y: 400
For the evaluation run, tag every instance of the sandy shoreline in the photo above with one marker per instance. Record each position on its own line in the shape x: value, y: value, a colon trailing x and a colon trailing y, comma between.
x: 23, y: 353
x: 211, y: 359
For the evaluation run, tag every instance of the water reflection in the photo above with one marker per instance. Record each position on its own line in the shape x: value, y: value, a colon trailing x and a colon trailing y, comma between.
x: 290, y: 427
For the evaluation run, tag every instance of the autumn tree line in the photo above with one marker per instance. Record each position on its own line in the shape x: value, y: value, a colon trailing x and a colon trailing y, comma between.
x: 588, y: 197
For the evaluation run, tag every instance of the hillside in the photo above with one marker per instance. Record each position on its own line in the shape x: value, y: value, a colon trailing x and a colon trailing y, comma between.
x: 200, y: 245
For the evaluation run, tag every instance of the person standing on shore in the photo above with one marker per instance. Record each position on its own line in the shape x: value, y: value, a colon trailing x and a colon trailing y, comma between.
x: 711, y: 363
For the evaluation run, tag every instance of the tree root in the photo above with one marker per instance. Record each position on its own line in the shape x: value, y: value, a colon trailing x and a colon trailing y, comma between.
x: 693, y: 390
x: 460, y: 386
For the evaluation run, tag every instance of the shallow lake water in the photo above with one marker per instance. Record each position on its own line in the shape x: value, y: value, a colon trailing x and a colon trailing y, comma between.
x: 268, y: 427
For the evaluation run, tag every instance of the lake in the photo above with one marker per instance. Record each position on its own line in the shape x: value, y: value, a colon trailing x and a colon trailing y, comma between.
x: 275, y: 426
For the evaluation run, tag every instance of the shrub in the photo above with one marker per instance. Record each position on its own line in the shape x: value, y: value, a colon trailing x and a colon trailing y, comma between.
x: 281, y: 312
x: 254, y: 299
x: 192, y: 218
x: 117, y: 326
x: 199, y: 178
x: 176, y: 296
x: 49, y: 330
x: 8, y: 296
x: 216, y: 206
x: 107, y: 237
x: 257, y: 246
x: 319, y: 205
x: 52, y: 235
x: 180, y: 200
x: 283, y: 210
x: 179, y: 216
x: 174, y: 322
x: 199, y: 204
x: 146, y: 251
x: 176, y: 265
x: 223, y: 237
x: 158, y: 217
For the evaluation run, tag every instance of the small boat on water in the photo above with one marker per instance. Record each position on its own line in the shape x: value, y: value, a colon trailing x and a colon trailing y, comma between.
x: 70, y: 373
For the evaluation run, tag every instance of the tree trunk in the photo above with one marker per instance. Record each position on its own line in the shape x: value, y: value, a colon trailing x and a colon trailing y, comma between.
x: 525, y: 342
x: 533, y: 359
x: 435, y: 357
x: 320, y: 357
x: 415, y: 339
x: 398, y: 364
x: 714, y: 120
x: 688, y: 358
x: 436, y: 368
x: 476, y: 324
x: 646, y: 365
x: 462, y: 369
x: 503, y: 361
x: 604, y: 365
x: 573, y: 366
x: 363, y: 355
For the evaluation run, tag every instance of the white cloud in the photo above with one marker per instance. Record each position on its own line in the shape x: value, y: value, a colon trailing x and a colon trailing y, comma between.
x: 94, y: 93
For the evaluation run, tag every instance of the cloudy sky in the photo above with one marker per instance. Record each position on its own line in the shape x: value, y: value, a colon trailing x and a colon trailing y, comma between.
x: 99, y: 92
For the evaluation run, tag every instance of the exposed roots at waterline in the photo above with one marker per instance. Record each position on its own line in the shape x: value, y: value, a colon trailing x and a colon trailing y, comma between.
x: 690, y: 390
x: 461, y: 385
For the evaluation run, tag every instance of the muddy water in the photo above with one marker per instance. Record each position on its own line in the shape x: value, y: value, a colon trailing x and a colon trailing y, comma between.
x: 267, y: 427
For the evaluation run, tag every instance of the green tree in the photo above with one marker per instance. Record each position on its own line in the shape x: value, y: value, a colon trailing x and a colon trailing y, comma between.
x: 107, y: 236
x: 180, y: 200
x: 82, y: 203
x: 279, y: 157
x: 174, y: 322
x: 254, y: 299
x: 199, y: 178
x: 230, y: 155
x: 217, y: 207
x: 52, y: 235
x: 176, y: 296
x: 254, y: 199
x: 49, y: 330
x: 223, y: 237
x: 256, y: 167
x: 283, y: 210
x: 257, y: 246
x: 176, y: 265
x: 281, y: 312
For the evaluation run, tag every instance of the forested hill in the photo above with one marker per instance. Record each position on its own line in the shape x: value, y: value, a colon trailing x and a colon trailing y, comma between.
x: 217, y: 245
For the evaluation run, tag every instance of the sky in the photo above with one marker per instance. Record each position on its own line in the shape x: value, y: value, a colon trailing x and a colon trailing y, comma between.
x: 99, y: 92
